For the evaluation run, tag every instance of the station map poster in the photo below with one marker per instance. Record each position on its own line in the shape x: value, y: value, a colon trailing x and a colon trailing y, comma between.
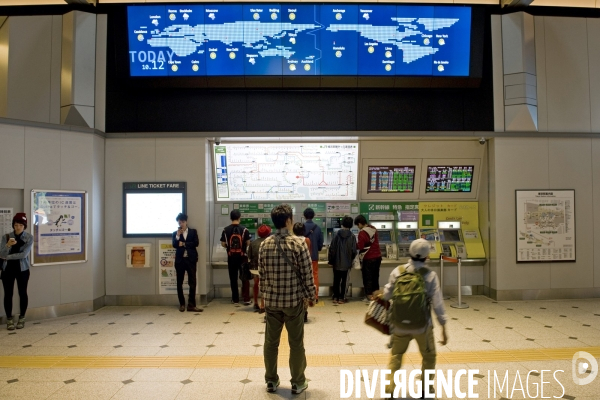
x: 59, y: 226
x: 286, y: 172
x: 298, y: 39
x: 6, y: 215
x: 545, y: 225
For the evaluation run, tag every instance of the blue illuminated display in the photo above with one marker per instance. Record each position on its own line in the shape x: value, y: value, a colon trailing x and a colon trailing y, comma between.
x: 298, y: 39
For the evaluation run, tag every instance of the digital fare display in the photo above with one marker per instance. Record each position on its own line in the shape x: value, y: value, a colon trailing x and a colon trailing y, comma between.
x: 384, y: 179
x: 449, y: 178
x: 298, y: 39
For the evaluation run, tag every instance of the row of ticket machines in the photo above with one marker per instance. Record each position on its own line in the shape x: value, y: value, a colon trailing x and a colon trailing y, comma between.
x: 448, y: 238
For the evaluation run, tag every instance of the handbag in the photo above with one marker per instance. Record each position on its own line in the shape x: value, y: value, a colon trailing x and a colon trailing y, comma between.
x: 356, y: 263
x: 378, y: 316
x: 245, y: 274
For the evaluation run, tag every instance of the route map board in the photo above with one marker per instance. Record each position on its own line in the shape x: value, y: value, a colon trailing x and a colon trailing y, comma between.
x: 391, y: 179
x: 545, y: 225
x: 286, y: 172
x: 298, y: 39
x: 449, y: 178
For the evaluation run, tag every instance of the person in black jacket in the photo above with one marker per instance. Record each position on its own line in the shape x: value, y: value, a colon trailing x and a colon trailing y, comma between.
x: 340, y: 256
x: 185, y: 241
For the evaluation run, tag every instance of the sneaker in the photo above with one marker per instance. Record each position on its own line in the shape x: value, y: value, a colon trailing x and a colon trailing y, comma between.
x: 247, y: 303
x: 21, y: 323
x: 366, y: 300
x: 256, y: 308
x: 235, y: 303
x: 10, y: 324
x: 297, y: 389
x: 272, y: 386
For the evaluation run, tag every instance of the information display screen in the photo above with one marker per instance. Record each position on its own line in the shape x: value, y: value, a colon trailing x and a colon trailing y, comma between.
x: 286, y: 171
x: 449, y: 178
x: 298, y: 39
x: 391, y: 179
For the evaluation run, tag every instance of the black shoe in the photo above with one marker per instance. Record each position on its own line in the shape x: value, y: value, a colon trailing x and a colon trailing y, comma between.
x: 182, y: 308
x: 256, y: 308
x: 194, y: 309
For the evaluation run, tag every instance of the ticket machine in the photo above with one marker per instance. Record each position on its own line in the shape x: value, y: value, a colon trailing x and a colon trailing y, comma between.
x: 387, y: 242
x: 451, y: 239
x: 406, y: 233
x: 334, y: 224
x: 433, y: 237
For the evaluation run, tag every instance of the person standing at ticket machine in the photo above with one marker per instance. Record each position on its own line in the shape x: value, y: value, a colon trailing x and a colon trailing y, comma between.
x: 314, y: 233
x: 368, y: 250
x: 236, y: 239
x: 185, y: 240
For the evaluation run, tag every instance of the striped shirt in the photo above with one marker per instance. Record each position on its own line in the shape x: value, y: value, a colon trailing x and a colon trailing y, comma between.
x: 279, y: 283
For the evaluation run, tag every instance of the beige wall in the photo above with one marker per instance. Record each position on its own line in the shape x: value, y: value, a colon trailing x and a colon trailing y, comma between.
x: 544, y: 163
x: 42, y: 158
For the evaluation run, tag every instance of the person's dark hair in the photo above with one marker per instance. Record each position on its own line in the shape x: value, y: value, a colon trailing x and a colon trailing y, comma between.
x: 181, y: 217
x: 234, y: 215
x: 309, y: 213
x: 298, y: 229
x: 360, y: 220
x: 347, y: 222
x: 280, y: 215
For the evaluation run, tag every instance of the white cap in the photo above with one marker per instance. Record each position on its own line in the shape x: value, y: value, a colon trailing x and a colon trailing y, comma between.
x: 419, y: 248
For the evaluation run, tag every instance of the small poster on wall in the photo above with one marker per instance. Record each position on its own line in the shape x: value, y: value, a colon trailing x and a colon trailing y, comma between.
x: 167, y: 278
x: 545, y: 225
x: 6, y: 215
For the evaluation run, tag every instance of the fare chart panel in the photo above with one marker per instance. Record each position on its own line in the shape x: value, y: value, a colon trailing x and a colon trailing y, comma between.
x: 299, y: 39
x: 286, y: 172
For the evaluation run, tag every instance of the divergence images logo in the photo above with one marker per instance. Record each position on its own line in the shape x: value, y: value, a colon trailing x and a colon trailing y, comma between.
x: 582, y: 367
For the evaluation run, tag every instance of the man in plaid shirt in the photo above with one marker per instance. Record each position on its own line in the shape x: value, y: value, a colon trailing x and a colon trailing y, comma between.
x: 284, y: 288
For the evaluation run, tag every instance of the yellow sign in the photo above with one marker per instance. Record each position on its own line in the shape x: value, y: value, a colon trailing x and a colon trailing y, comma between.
x: 432, y: 212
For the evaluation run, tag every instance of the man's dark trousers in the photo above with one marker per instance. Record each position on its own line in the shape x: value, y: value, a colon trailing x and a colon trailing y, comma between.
x: 181, y: 267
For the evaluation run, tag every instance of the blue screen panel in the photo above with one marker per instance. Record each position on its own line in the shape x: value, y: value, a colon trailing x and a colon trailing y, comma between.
x: 298, y: 39
x: 377, y: 40
x: 339, y: 39
x: 224, y: 39
x: 263, y: 52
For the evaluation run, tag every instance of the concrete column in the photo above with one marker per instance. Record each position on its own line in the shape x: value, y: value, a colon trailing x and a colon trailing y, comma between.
x: 519, y: 73
x: 78, y: 69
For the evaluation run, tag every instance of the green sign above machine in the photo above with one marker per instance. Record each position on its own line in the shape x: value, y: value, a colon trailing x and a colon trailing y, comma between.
x: 366, y: 208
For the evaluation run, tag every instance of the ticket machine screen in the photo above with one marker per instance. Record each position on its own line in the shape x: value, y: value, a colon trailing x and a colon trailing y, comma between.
x: 385, y: 236
x: 407, y: 236
x: 451, y: 236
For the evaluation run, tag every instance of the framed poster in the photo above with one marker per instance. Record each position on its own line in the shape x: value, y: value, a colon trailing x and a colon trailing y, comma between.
x: 545, y: 225
x: 167, y: 277
x: 59, y: 226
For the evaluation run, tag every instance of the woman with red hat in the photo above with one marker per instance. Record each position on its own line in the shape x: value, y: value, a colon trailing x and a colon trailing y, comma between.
x: 263, y: 232
x: 14, y: 252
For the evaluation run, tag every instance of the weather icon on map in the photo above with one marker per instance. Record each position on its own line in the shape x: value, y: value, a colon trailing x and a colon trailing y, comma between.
x: 211, y: 16
x: 174, y: 68
x: 195, y: 67
x: 231, y: 55
x: 442, y: 42
x: 292, y: 67
x: 366, y: 16
x: 273, y: 16
x: 155, y: 22
x: 252, y: 60
x: 307, y: 67
x: 256, y: 16
x: 338, y: 16
x: 293, y: 40
x: 388, y: 54
x: 371, y: 49
x: 440, y: 68
x: 213, y: 55
x: 172, y: 17
x: 338, y: 54
x: 388, y: 67
x: 292, y: 16
x: 426, y: 41
x: 140, y: 37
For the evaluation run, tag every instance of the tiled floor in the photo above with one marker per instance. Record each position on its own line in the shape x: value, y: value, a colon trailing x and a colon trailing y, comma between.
x: 158, y: 352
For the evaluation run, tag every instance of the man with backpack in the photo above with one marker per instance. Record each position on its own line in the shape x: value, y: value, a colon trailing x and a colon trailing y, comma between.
x: 414, y: 290
x: 236, y: 238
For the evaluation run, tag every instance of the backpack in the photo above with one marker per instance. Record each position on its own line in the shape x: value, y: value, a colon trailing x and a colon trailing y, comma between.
x: 236, y: 242
x: 410, y: 306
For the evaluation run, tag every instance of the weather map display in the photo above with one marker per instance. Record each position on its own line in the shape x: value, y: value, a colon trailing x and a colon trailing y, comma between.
x: 286, y: 172
x: 449, y: 178
x: 391, y: 179
x: 298, y: 39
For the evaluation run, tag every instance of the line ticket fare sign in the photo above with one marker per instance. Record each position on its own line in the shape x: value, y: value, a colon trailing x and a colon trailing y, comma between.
x: 298, y: 39
x: 286, y: 172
